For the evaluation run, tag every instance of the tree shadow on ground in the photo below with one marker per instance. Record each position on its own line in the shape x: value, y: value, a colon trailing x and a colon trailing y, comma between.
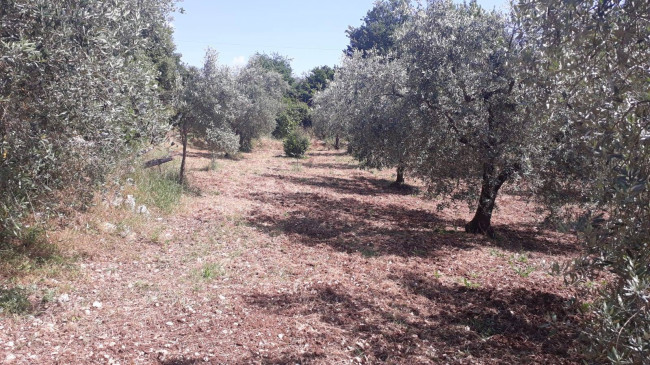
x: 283, y: 359
x: 327, y: 153
x: 350, y: 225
x: 332, y: 166
x: 527, y: 237
x: 354, y: 226
x: 358, y: 185
x: 180, y: 361
x: 481, y: 324
x: 196, y: 154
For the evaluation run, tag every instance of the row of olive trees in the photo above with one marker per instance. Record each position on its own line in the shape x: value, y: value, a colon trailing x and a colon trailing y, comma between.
x: 82, y: 83
x: 556, y: 92
x: 448, y: 104
x: 229, y: 108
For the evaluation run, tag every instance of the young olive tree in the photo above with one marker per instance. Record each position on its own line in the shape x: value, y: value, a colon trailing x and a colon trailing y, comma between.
x: 78, y: 91
x: 479, y: 127
x: 378, y: 124
x: 598, y: 57
x: 260, y: 101
x: 333, y: 112
x: 208, y: 106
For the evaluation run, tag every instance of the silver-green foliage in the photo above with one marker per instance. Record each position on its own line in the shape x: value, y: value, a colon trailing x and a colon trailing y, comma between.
x: 77, y: 91
x: 260, y: 102
x: 367, y: 104
x: 230, y: 108
x: 454, y: 104
x: 467, y: 75
x: 598, y: 63
x: 208, y: 103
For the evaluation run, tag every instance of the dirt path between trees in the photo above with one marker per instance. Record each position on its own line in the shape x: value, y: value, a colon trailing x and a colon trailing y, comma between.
x: 312, y: 261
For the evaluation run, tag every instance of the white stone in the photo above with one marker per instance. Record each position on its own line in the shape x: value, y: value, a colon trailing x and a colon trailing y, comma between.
x: 64, y: 298
x: 130, y: 202
x: 143, y: 210
x: 117, y: 201
x: 108, y: 228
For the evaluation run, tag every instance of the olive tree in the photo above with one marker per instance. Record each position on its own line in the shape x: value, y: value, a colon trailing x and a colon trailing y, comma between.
x: 479, y: 127
x: 78, y: 91
x: 260, y: 101
x: 208, y: 106
x: 597, y: 63
x: 333, y: 111
x: 375, y: 112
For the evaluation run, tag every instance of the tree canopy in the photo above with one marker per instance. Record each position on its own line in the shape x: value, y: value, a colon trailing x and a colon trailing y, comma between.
x: 80, y: 87
x: 379, y: 27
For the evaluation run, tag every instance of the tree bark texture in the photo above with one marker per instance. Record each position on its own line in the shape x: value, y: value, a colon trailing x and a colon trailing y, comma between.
x: 245, y: 143
x: 181, y: 176
x: 482, y: 221
x: 337, y: 143
x: 400, y: 175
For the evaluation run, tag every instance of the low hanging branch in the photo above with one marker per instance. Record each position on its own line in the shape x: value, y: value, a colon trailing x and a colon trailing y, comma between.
x: 157, y: 162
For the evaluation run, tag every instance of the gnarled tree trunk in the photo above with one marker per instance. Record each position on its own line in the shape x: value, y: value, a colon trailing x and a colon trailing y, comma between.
x: 481, y: 223
x: 400, y: 175
x: 337, y: 142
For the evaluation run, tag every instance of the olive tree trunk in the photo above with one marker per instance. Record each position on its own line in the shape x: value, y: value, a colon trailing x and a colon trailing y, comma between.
x: 245, y: 143
x: 400, y: 175
x: 337, y: 143
x: 184, y: 130
x: 481, y: 223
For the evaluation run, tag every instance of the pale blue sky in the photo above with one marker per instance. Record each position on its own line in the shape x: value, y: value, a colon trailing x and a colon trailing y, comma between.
x: 311, y: 33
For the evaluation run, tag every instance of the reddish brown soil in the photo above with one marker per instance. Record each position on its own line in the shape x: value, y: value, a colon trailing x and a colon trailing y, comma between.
x: 283, y: 261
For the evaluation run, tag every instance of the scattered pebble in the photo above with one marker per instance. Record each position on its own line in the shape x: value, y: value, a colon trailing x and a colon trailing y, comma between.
x: 64, y: 298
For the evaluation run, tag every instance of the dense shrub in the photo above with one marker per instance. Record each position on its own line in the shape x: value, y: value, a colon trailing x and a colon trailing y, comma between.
x: 296, y: 113
x: 296, y: 144
x: 78, y: 91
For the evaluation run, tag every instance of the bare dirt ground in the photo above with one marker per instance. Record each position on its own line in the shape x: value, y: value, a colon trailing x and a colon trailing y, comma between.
x: 312, y: 261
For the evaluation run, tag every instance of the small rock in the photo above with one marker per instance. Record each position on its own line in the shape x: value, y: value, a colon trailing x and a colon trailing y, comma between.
x: 125, y: 232
x: 130, y: 182
x: 130, y: 202
x: 97, y: 304
x: 143, y: 210
x: 64, y: 298
x: 10, y: 357
x: 108, y: 228
x: 117, y: 201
